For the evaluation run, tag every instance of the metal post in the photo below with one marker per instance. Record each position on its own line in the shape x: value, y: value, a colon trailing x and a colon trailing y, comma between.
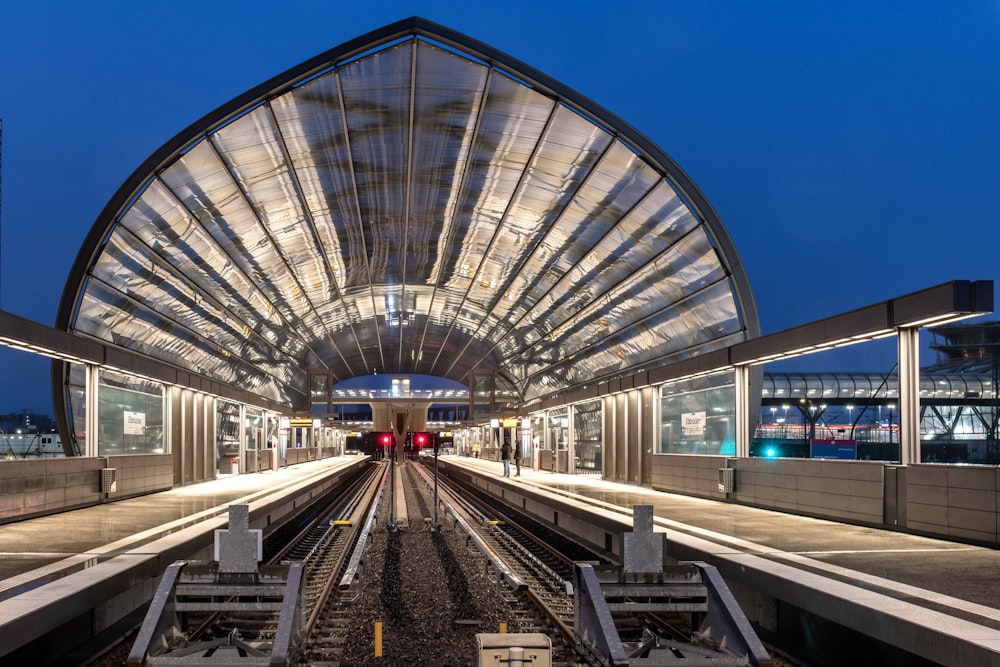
x: 744, y: 425
x: 435, y: 526
x: 392, y: 494
x: 92, y: 417
x: 909, y: 396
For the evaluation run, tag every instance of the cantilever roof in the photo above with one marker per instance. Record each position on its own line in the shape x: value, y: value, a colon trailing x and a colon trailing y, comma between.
x: 410, y: 202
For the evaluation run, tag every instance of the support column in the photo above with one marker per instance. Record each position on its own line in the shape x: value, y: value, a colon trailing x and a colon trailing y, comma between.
x: 243, y: 439
x: 212, y: 463
x: 92, y: 408
x: 909, y: 395
x: 744, y: 423
x: 174, y: 431
x: 571, y: 439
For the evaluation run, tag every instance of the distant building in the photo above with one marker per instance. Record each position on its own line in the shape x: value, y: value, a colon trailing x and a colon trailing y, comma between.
x: 26, y: 421
x: 26, y: 434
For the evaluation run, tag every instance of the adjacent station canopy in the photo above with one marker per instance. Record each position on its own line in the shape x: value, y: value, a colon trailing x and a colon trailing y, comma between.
x: 410, y: 202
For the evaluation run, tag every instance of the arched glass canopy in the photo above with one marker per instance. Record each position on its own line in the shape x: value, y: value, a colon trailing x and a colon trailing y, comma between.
x: 410, y: 202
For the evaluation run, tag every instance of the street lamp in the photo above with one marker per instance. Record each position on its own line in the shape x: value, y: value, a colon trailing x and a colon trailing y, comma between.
x: 850, y: 418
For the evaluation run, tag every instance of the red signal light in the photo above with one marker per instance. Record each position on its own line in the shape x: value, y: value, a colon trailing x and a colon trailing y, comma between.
x: 421, y: 439
x: 386, y: 439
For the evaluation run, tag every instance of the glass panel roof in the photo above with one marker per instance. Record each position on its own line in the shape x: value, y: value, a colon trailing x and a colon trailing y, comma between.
x: 412, y: 209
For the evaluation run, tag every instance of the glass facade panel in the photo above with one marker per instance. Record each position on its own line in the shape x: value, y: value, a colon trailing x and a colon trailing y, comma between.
x: 254, y: 429
x: 587, y: 435
x: 227, y: 437
x: 130, y: 416
x: 538, y: 431
x: 77, y: 399
x: 319, y: 391
x: 558, y: 429
x: 699, y: 416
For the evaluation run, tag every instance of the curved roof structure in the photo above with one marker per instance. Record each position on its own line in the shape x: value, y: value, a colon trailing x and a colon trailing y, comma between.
x: 412, y: 201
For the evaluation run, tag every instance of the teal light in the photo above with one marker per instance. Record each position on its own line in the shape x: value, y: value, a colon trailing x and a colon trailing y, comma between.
x: 770, y: 451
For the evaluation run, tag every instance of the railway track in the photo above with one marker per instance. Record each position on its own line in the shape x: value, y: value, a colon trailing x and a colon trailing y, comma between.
x: 377, y: 592
x: 324, y: 547
x: 423, y: 588
x: 543, y: 602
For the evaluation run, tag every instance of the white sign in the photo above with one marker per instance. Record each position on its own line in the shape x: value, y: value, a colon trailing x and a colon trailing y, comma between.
x: 135, y: 423
x: 693, y: 423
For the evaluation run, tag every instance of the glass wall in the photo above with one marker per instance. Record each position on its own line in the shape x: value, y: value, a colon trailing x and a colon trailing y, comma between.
x: 76, y: 390
x: 558, y: 429
x: 254, y: 429
x: 227, y: 437
x: 698, y: 416
x: 130, y: 417
x: 273, y: 431
x: 959, y: 434
x: 538, y: 431
x: 587, y: 430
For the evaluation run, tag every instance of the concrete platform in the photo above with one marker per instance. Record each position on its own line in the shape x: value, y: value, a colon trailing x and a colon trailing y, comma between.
x: 74, y: 575
x: 932, y: 597
x: 44, y: 546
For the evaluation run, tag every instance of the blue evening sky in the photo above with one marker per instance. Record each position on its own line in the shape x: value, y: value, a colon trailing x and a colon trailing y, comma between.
x: 851, y: 148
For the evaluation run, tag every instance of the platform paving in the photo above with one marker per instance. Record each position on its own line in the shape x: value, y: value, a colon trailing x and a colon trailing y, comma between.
x: 47, y: 547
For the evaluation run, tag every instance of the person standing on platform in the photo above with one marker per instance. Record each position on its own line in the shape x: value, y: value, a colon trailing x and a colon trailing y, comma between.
x: 505, y: 457
x: 517, y: 462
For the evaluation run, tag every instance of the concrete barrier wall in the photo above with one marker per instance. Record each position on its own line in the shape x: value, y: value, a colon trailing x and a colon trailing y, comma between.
x: 33, y: 487
x: 144, y: 473
x: 304, y: 454
x: 30, y: 487
x: 949, y: 501
x: 850, y: 491
x: 959, y: 502
x: 843, y: 490
x: 688, y: 475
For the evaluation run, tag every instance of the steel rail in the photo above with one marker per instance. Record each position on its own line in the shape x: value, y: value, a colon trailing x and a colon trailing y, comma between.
x: 368, y: 503
x: 358, y: 552
x: 348, y: 494
x: 535, y: 599
x: 512, y: 579
x: 351, y: 490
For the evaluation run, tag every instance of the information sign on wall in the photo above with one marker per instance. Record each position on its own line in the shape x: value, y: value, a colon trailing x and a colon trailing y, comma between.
x: 833, y: 449
x: 135, y: 423
x: 693, y: 424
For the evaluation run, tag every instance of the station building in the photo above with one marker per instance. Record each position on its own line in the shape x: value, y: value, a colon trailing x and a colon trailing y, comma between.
x: 414, y: 204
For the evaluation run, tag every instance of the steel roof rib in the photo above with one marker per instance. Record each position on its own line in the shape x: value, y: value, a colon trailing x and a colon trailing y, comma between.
x: 499, y: 226
x: 633, y: 324
x: 635, y: 276
x: 549, y: 229
x: 524, y: 230
x: 311, y: 223
x: 516, y: 273
x: 409, y: 198
x: 267, y: 232
x: 236, y: 267
x: 197, y: 290
x: 450, y: 219
x: 359, y: 213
